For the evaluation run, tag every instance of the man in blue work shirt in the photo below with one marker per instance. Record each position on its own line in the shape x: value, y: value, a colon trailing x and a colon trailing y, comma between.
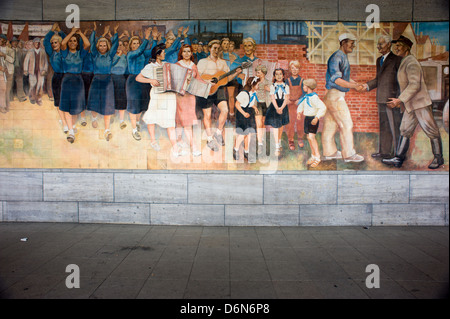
x: 338, y: 116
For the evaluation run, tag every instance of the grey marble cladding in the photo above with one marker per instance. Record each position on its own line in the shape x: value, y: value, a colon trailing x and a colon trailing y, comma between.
x: 21, y: 186
x: 26, y: 10
x: 225, y: 189
x: 326, y: 10
x: 356, y: 10
x: 66, y: 212
x: 300, y: 189
x: 183, y: 214
x: 358, y: 189
x: 261, y: 215
x: 430, y: 10
x: 409, y: 214
x: 114, y: 213
x: 152, y: 9
x: 429, y: 188
x: 335, y: 215
x: 55, y: 10
x: 95, y: 187
x: 150, y: 188
x: 231, y: 9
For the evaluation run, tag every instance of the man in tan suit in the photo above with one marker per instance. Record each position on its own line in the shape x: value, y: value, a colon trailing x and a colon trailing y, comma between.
x: 415, y: 99
x: 36, y: 66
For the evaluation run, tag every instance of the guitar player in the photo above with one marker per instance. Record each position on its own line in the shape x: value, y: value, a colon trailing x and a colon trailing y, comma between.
x: 210, y: 66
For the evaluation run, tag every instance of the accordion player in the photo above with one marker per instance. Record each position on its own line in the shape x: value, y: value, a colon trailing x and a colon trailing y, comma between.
x: 179, y: 79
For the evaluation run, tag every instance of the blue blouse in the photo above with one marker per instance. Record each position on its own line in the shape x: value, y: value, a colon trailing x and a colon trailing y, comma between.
x: 103, y: 62
x: 138, y: 58
x: 172, y: 52
x: 73, y: 62
x: 88, y: 64
x: 55, y: 58
x: 119, y: 65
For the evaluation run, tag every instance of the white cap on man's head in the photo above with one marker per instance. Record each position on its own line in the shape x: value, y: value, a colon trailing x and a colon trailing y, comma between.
x: 345, y: 36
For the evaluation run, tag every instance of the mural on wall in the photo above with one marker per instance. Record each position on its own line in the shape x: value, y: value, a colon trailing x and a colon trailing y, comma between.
x: 224, y: 95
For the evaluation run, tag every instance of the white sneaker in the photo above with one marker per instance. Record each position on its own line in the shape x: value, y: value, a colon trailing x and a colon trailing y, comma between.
x: 337, y: 155
x: 355, y: 158
x: 196, y: 153
x: 181, y: 152
x: 155, y: 146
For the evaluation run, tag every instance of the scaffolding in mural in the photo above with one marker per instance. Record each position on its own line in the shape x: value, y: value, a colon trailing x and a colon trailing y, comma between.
x: 323, y: 40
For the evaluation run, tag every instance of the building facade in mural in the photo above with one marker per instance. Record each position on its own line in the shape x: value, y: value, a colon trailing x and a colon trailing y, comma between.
x: 40, y: 79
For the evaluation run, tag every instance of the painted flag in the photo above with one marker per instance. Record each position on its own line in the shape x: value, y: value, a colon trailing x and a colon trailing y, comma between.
x: 24, y: 35
x: 10, y: 34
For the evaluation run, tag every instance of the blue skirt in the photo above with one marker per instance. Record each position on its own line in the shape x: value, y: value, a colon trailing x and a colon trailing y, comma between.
x: 138, y: 95
x: 72, y: 94
x: 101, y: 95
x: 56, y: 87
x: 274, y: 119
x: 120, y: 93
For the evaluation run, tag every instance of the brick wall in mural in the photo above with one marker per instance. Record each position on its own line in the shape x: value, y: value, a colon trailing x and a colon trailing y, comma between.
x: 224, y: 95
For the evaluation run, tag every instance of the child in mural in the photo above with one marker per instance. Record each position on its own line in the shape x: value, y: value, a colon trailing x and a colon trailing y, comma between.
x: 185, y: 115
x: 262, y: 92
x: 313, y: 109
x: 52, y: 45
x: 296, y: 90
x: 119, y: 74
x: 277, y: 114
x: 72, y: 87
x: 232, y: 48
x: 246, y: 106
x: 101, y: 93
x: 138, y: 94
x: 163, y: 106
x: 35, y: 66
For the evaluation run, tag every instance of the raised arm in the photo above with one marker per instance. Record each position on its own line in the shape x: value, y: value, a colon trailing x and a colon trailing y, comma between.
x: 67, y: 38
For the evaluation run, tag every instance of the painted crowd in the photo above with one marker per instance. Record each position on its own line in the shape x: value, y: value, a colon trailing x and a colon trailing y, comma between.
x: 99, y: 75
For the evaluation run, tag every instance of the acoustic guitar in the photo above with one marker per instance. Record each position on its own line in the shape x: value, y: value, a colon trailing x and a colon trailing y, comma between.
x: 221, y: 78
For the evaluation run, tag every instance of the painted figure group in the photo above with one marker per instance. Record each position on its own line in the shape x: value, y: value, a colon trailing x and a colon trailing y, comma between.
x: 109, y: 73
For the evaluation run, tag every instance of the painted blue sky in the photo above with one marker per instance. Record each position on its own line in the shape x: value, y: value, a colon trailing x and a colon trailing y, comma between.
x: 438, y: 30
x: 255, y: 29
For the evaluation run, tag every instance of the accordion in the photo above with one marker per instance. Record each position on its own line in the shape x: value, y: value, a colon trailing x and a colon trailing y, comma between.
x: 176, y: 78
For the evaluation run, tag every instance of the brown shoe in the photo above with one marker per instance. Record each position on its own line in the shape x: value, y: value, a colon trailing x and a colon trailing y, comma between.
x: 291, y: 145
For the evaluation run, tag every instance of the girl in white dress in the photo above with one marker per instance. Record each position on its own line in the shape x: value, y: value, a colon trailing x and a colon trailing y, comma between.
x: 163, y: 106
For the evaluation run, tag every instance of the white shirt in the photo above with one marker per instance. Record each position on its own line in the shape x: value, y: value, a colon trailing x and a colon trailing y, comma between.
x: 149, y: 71
x: 244, y: 99
x: 280, y: 93
x: 316, y: 108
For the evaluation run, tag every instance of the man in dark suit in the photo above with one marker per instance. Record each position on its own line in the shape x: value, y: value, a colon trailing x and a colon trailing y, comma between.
x: 387, y: 87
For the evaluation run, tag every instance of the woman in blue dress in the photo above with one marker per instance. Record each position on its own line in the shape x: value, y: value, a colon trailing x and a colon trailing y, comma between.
x: 52, y: 45
x: 101, y: 93
x: 72, y: 100
x: 138, y: 94
x: 119, y: 74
